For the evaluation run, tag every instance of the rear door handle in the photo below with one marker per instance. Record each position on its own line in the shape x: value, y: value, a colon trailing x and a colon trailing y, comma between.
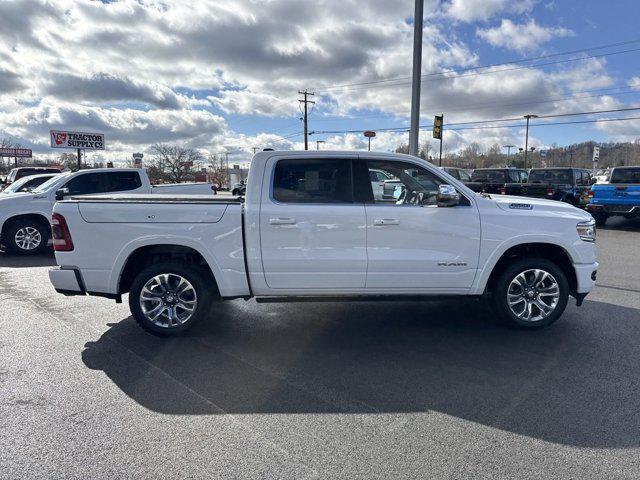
x: 282, y: 221
x: 381, y: 222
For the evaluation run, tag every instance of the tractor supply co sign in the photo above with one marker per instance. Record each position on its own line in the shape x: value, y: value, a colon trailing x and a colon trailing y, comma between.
x: 86, y: 141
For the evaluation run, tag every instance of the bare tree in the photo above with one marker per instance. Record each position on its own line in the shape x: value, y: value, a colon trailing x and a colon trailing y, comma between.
x: 217, y: 169
x: 173, y: 162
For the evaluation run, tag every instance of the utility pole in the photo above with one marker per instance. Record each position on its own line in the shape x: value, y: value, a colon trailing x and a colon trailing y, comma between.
x: 79, y: 159
x: 526, y: 138
x: 305, y: 119
x: 417, y: 76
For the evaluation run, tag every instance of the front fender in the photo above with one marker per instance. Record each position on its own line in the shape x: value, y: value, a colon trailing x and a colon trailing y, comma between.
x: 494, y: 257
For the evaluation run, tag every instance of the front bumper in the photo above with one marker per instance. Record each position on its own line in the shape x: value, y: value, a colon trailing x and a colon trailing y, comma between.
x: 586, y: 277
x: 67, y: 281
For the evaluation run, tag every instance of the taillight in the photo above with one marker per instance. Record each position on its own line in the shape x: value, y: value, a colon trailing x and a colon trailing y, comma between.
x: 550, y: 191
x: 60, y: 234
x: 503, y: 191
x: 590, y: 194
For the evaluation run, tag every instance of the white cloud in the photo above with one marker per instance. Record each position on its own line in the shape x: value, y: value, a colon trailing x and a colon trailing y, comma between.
x: 634, y: 83
x: 521, y: 37
x: 475, y: 10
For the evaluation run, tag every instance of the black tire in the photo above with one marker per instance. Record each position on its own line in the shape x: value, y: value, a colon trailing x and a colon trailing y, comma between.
x: 600, y: 218
x: 42, y: 228
x: 501, y: 287
x: 197, y: 276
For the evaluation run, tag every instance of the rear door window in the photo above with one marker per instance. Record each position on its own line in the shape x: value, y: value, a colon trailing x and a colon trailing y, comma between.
x: 625, y: 175
x: 313, y: 181
x: 122, y: 181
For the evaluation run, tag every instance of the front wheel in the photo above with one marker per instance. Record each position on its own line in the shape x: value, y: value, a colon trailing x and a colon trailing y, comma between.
x: 26, y: 237
x: 168, y: 298
x: 532, y: 293
x: 600, y: 218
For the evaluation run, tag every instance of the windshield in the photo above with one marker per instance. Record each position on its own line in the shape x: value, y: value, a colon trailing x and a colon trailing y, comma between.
x: 550, y: 176
x: 46, y: 186
x: 17, y: 185
x: 494, y: 176
x: 625, y: 175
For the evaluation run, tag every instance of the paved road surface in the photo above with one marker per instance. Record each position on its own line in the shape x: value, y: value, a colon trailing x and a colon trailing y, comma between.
x: 367, y: 390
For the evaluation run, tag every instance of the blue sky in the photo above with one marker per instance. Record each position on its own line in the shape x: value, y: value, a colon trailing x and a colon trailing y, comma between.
x: 224, y: 75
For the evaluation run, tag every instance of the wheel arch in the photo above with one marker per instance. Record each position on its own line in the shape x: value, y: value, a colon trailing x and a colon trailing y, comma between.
x: 140, y: 256
x: 25, y: 216
x: 549, y: 251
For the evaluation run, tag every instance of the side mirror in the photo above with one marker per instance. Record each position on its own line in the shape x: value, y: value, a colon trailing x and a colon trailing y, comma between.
x: 447, y: 196
x: 60, y: 193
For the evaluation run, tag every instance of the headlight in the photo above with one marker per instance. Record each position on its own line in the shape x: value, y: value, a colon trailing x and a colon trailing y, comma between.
x: 587, y: 231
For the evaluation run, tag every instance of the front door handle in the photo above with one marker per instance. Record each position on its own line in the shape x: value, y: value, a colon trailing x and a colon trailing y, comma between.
x: 381, y: 222
x: 282, y: 221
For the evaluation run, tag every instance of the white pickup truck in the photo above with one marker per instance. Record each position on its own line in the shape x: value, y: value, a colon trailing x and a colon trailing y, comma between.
x: 310, y: 228
x: 24, y: 217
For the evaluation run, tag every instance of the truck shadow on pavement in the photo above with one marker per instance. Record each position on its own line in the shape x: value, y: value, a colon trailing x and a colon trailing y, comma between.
x: 576, y: 383
x: 46, y: 259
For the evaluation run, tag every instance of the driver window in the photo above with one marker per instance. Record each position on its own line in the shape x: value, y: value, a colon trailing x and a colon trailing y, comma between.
x: 407, y: 184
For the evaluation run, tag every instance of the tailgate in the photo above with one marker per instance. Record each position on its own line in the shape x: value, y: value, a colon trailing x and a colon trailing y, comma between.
x: 610, y: 194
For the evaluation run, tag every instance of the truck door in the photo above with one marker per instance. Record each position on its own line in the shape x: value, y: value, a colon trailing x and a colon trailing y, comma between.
x: 414, y: 244
x: 312, y: 233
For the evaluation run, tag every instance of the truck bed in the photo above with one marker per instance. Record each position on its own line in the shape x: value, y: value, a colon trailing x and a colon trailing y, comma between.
x: 107, y: 229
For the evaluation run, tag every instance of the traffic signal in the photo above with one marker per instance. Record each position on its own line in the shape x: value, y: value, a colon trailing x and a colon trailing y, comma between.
x: 437, y: 127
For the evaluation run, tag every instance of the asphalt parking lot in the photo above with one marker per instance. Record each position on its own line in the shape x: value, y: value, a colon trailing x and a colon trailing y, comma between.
x: 366, y: 390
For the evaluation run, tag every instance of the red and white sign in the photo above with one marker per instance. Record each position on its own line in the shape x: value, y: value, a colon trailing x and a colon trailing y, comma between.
x: 84, y: 140
x: 16, y: 152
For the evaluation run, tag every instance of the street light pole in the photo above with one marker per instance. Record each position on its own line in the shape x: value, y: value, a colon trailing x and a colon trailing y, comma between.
x: 526, y: 138
x: 508, y: 147
x: 417, y: 74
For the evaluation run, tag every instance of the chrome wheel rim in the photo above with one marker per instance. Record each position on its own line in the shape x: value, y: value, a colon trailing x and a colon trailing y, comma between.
x: 533, y: 295
x: 28, y: 238
x: 168, y: 300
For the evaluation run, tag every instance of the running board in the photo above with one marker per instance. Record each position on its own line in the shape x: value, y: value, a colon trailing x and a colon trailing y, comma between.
x: 364, y: 298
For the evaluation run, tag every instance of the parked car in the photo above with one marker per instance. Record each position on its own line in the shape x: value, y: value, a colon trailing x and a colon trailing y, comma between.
x: 570, y: 185
x: 493, y: 180
x: 26, y: 184
x: 619, y: 197
x: 20, y: 172
x: 24, y: 218
x: 602, y: 176
x: 310, y: 228
x: 239, y: 189
x: 458, y: 173
x: 378, y: 179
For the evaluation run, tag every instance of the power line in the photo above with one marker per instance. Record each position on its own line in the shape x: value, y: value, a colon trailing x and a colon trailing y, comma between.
x: 486, y: 72
x: 463, y: 125
x: 521, y: 60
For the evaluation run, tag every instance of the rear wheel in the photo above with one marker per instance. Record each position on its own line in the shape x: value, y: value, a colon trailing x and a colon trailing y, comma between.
x: 26, y: 237
x: 532, y: 293
x: 168, y: 298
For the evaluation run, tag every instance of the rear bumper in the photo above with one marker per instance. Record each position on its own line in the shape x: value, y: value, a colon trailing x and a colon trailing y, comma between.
x: 614, y: 209
x: 67, y: 281
x: 585, y: 276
